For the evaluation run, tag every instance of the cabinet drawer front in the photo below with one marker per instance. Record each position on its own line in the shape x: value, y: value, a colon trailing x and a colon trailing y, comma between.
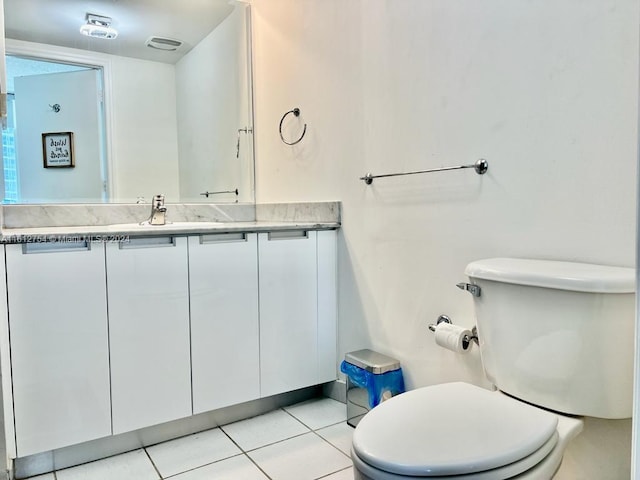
x: 223, y: 277
x: 225, y: 237
x: 59, y: 347
x: 288, y: 313
x: 52, y: 247
x: 327, y: 306
x: 288, y: 235
x: 149, y: 335
x: 148, y: 242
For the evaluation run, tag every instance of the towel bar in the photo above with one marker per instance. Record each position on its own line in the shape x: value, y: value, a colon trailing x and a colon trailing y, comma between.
x: 481, y: 166
x: 207, y: 193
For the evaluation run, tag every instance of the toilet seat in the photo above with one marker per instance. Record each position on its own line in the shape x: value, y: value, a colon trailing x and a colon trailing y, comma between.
x: 510, y: 471
x: 454, y: 429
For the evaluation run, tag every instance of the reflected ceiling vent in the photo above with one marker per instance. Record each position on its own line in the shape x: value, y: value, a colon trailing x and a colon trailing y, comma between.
x: 162, y: 43
x: 98, y: 26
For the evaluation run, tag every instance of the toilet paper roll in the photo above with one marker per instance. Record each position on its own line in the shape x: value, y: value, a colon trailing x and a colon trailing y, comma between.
x: 451, y: 337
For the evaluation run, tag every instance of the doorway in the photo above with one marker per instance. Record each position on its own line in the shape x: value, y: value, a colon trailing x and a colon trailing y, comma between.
x: 47, y: 97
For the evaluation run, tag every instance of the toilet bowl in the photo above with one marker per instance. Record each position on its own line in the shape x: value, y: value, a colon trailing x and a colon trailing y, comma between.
x: 460, y: 431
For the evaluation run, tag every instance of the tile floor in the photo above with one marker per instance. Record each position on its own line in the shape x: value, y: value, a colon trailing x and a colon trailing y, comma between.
x: 307, y: 441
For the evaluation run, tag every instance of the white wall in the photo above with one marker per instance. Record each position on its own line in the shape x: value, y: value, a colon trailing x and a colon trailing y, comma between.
x: 546, y: 91
x: 77, y: 93
x: 144, y: 130
x: 212, y: 105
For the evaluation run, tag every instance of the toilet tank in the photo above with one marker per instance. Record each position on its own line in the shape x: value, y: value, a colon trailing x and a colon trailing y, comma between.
x: 558, y: 334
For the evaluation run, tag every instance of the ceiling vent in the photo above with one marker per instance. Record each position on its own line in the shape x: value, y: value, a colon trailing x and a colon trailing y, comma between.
x: 161, y: 43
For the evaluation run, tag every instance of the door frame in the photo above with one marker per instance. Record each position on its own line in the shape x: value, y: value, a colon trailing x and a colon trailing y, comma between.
x: 40, y: 51
x: 635, y: 436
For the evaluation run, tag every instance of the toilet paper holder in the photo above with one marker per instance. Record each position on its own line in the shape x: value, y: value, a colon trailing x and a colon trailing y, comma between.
x: 467, y: 339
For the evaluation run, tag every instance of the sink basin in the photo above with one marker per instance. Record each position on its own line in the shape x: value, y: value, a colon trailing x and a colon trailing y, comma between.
x: 180, y: 224
x: 169, y: 225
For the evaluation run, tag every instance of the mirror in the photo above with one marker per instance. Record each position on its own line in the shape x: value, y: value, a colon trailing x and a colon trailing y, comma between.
x: 176, y: 116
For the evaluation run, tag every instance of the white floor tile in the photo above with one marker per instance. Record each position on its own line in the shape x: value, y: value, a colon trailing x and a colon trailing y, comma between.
x: 128, y: 466
x: 339, y: 435
x: 318, y: 413
x: 186, y: 453
x: 46, y: 476
x: 346, y: 474
x: 306, y: 457
x: 263, y: 430
x: 234, y: 468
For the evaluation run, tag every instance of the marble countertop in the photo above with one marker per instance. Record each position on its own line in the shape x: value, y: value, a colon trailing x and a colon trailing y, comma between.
x: 120, y: 232
x: 117, y: 222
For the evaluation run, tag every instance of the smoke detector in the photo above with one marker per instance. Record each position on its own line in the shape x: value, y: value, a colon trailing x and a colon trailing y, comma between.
x: 98, y: 26
x: 163, y: 43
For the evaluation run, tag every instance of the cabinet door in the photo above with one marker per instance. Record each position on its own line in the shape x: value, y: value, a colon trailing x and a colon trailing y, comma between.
x: 59, y: 345
x: 223, y: 279
x: 288, y: 311
x: 147, y: 284
x: 327, y: 306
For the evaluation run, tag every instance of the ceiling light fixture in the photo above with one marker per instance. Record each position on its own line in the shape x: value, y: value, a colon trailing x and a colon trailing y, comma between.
x: 98, y: 26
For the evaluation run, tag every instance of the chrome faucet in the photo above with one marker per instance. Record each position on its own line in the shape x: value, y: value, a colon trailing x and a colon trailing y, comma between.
x: 158, y: 211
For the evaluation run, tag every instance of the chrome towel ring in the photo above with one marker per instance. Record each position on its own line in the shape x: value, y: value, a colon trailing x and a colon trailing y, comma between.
x: 296, y: 112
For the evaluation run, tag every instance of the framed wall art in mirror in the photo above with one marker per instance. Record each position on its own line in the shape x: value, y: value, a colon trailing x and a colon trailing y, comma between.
x: 57, y: 150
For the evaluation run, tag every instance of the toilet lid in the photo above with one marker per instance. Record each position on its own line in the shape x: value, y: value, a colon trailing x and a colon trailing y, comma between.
x: 450, y: 429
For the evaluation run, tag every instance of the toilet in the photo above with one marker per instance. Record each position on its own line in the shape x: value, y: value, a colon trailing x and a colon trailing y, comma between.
x: 556, y: 340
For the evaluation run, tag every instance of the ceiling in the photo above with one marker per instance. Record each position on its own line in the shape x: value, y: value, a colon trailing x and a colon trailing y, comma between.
x: 57, y: 22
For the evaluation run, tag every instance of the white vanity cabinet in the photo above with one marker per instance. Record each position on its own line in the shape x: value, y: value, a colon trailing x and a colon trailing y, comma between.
x: 297, y: 309
x: 109, y: 338
x: 148, y: 298
x: 59, y: 346
x: 223, y: 279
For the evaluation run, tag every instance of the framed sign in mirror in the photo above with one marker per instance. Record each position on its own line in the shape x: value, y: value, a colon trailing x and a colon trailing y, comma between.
x: 57, y: 150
